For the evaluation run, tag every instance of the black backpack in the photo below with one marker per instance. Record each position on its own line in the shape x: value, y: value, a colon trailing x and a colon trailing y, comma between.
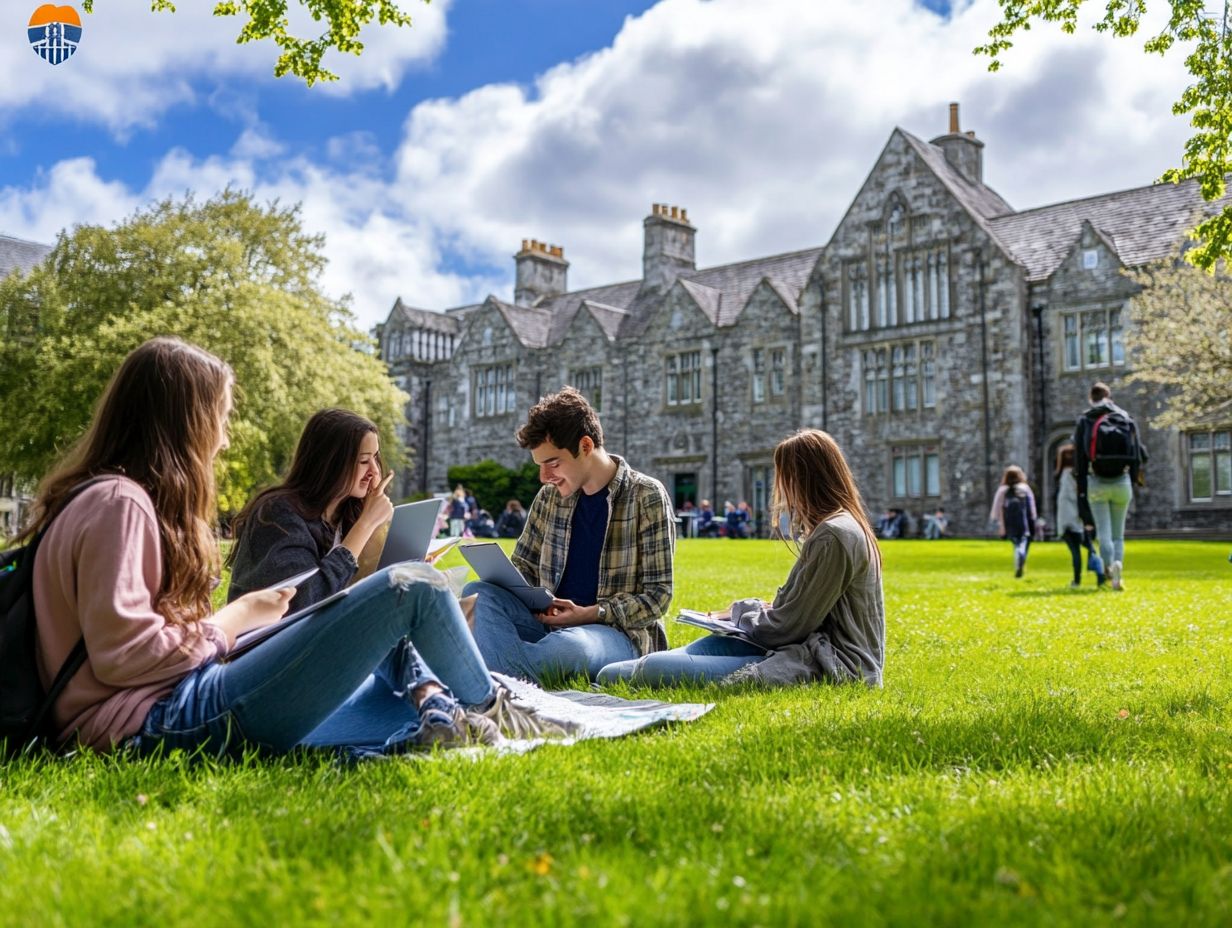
x: 25, y: 707
x: 1017, y: 515
x: 1114, y: 444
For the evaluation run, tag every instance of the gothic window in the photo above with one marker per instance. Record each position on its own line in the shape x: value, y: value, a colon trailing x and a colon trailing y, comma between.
x: 906, y: 383
x: 1092, y: 339
x: 684, y: 378
x: 857, y: 296
x: 1210, y: 465
x: 916, y: 471
x: 778, y: 371
x: 494, y: 391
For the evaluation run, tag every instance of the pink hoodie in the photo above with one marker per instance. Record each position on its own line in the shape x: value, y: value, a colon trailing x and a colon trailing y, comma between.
x: 96, y: 574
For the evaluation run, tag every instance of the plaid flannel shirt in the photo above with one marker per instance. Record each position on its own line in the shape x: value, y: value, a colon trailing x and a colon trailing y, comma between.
x: 635, y: 566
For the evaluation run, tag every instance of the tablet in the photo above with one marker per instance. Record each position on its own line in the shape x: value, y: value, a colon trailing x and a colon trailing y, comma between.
x: 493, y: 566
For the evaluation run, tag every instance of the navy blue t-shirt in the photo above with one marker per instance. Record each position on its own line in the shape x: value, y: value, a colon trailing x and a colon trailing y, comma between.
x: 580, y: 582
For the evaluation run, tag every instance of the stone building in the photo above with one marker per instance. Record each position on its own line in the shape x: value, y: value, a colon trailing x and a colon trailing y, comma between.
x: 939, y: 335
x: 20, y: 256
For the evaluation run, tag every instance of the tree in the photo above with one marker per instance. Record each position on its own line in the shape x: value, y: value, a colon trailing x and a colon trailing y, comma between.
x: 1208, y: 99
x: 267, y: 19
x: 1181, y: 339
x: 236, y: 278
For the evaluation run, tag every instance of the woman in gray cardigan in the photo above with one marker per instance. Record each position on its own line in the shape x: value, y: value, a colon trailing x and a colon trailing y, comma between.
x: 827, y: 621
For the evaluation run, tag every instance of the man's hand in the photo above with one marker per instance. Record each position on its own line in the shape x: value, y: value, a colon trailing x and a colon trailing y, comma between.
x: 563, y: 613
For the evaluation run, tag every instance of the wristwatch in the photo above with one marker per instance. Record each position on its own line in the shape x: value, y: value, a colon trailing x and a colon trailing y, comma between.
x: 602, y: 612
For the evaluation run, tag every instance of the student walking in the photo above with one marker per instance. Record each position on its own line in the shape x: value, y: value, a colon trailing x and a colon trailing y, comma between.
x: 827, y: 621
x: 127, y: 565
x: 1070, y: 527
x: 1108, y: 456
x: 1013, y: 509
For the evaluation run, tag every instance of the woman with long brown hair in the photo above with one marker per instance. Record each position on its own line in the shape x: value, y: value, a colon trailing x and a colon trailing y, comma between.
x: 1013, y: 509
x: 827, y: 621
x: 127, y: 565
x: 1070, y: 527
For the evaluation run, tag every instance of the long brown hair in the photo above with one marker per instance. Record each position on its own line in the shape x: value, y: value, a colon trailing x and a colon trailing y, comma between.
x: 812, y: 482
x: 1013, y: 476
x: 1065, y: 458
x: 158, y: 423
x: 322, y: 469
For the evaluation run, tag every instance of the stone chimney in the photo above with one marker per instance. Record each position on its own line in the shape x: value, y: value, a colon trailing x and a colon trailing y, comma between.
x: 668, y: 251
x: 541, y: 272
x: 962, y: 149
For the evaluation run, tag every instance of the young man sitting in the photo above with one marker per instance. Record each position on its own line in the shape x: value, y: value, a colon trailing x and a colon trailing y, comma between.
x: 601, y: 536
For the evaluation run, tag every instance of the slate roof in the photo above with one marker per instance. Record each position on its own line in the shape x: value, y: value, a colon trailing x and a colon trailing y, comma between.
x: 1142, y: 225
x: 979, y: 199
x: 19, y: 255
x: 427, y: 319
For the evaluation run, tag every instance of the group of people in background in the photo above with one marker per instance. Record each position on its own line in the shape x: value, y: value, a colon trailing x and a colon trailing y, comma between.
x: 1094, y: 477
x: 127, y: 556
x: 736, y: 522
x: 467, y: 519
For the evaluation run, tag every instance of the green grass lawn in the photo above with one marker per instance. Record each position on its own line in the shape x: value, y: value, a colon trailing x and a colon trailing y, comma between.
x: 1038, y: 756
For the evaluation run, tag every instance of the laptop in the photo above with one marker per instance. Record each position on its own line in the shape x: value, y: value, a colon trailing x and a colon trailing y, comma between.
x: 490, y: 562
x: 412, y: 533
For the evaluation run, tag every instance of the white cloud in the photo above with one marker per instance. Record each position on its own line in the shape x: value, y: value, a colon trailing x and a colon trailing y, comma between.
x: 762, y: 119
x: 133, y: 64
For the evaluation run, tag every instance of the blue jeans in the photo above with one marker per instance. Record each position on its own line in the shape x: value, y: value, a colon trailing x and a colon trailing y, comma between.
x: 1109, y: 501
x: 1022, y: 544
x: 340, y: 677
x: 709, y: 658
x: 512, y: 641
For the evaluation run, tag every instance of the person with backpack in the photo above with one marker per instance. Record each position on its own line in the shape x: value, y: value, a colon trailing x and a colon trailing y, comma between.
x: 127, y: 566
x: 1108, y: 458
x: 1070, y: 528
x: 1013, y: 509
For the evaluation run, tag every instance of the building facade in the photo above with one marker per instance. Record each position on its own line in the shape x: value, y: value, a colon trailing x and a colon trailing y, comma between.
x: 939, y: 335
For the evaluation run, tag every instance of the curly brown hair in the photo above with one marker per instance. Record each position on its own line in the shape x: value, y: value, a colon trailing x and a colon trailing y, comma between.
x: 564, y: 419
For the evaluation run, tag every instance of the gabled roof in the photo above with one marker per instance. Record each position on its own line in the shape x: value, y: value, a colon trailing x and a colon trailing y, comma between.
x: 980, y: 200
x: 787, y: 273
x: 530, y: 324
x: 19, y: 255
x: 708, y: 299
x: 565, y: 306
x: 425, y: 318
x: 1143, y: 224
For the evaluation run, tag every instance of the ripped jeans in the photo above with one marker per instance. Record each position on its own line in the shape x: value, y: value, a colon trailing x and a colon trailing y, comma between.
x: 340, y: 677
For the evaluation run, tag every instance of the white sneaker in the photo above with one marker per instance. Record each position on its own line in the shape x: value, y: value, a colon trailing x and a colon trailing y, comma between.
x: 1114, y: 574
x: 507, y: 718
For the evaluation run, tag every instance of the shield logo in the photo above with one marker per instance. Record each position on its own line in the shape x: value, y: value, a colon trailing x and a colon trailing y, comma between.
x: 54, y: 32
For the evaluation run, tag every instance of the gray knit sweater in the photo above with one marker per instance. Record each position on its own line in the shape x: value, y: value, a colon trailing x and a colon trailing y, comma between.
x: 827, y: 622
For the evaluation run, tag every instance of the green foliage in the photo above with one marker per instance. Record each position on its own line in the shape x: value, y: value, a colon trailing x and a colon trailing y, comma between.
x: 1181, y: 339
x: 236, y: 278
x: 1208, y: 99
x: 1038, y: 756
x: 494, y: 484
x: 267, y: 19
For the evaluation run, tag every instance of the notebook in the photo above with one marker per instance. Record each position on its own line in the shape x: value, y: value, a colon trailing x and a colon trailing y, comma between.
x: 490, y: 562
x: 715, y: 625
x: 412, y: 533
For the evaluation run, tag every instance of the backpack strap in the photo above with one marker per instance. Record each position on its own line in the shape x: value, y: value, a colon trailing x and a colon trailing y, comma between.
x: 78, y: 655
x: 68, y: 670
x: 1094, y: 434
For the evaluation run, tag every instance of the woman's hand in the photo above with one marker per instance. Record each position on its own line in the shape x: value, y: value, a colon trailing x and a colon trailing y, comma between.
x: 378, y: 508
x: 253, y: 610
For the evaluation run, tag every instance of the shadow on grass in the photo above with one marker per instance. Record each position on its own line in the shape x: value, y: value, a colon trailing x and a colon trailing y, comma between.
x: 1062, y: 591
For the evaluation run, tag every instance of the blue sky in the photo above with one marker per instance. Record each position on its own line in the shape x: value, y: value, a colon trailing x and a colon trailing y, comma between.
x: 496, y: 120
